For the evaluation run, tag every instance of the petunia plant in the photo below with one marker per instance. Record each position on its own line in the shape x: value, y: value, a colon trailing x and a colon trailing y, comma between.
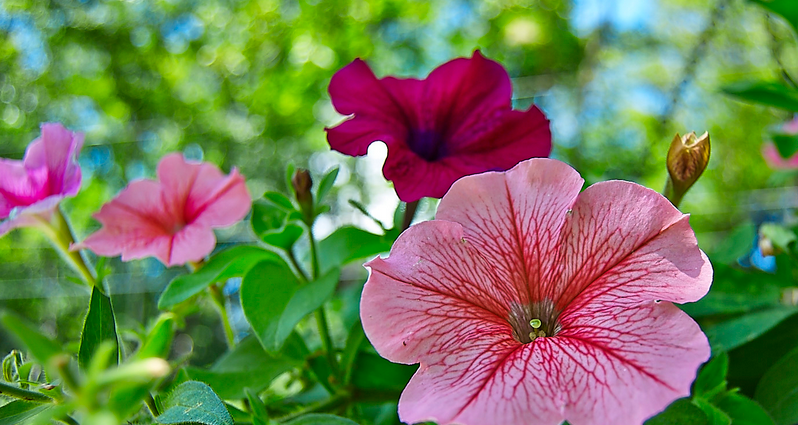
x: 528, y: 299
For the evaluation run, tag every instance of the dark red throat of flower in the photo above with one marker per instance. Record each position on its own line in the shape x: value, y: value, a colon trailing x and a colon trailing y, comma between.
x: 427, y: 144
x: 532, y: 321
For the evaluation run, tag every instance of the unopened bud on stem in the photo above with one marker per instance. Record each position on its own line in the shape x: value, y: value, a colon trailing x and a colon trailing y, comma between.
x: 687, y: 158
x: 302, y: 183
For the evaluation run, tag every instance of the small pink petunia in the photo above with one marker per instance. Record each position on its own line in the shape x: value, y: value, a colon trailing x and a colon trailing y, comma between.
x: 456, y: 122
x: 170, y: 219
x: 528, y: 302
x: 31, y: 189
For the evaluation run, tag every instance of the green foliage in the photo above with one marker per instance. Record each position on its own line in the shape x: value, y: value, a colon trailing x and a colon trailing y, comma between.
x: 99, y: 326
x: 19, y: 411
x: 41, y: 347
x: 680, y: 412
x: 738, y: 331
x: 274, y: 300
x: 320, y: 419
x: 245, y: 366
x: 276, y: 221
x: 348, y: 244
x: 786, y: 8
x: 232, y: 262
x: 193, y: 403
x: 765, y: 93
x: 778, y: 390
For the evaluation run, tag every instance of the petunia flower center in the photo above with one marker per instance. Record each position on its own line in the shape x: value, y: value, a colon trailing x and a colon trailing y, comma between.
x: 532, y: 321
x: 427, y: 144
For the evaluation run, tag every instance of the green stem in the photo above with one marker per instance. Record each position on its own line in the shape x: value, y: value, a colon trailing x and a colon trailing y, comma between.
x: 410, y: 213
x: 326, y: 341
x: 321, y: 317
x: 295, y: 263
x: 16, y: 392
x: 322, y: 406
x: 671, y: 193
x: 59, y: 233
x: 219, y: 302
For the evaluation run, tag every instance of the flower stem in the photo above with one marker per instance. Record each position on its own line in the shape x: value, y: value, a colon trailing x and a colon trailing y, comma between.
x: 410, y: 213
x: 321, y: 317
x: 218, y: 300
x: 16, y: 392
x: 59, y: 233
x: 670, y: 193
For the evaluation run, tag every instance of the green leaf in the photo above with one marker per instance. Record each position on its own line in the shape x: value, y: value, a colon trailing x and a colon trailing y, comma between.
x: 275, y: 225
x: 715, y: 415
x: 765, y: 93
x: 274, y: 301
x: 680, y: 412
x: 41, y: 347
x: 233, y: 262
x: 375, y: 373
x: 744, y: 411
x: 788, y: 9
x: 159, y: 338
x: 348, y: 244
x: 777, y: 391
x: 711, y: 378
x: 326, y: 184
x: 19, y: 411
x: 736, y: 332
x: 321, y: 419
x: 737, y: 291
x: 99, y: 326
x: 245, y: 366
x: 290, y: 169
x: 259, y: 414
x: 193, y: 403
x: 352, y: 349
x: 786, y: 144
x: 280, y: 200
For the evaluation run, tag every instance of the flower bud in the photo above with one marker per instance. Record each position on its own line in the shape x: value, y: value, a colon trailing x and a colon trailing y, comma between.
x: 687, y: 158
x: 302, y: 183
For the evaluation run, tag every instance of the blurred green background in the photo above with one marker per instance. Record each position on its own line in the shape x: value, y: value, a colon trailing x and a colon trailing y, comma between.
x: 242, y: 83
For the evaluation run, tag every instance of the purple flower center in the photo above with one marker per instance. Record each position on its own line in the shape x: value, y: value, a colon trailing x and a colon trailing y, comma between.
x: 532, y: 321
x: 428, y: 144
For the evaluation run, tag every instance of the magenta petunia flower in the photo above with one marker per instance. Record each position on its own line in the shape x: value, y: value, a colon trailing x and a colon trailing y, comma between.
x: 170, y: 219
x: 31, y: 189
x: 458, y: 121
x: 528, y: 302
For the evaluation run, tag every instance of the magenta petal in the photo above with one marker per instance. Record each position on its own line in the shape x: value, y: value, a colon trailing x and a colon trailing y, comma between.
x: 56, y: 151
x: 355, y: 90
x: 462, y: 93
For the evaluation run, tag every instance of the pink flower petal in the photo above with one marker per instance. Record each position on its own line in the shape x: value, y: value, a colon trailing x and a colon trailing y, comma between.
x: 775, y: 161
x: 192, y: 243
x: 514, y: 218
x: 171, y: 219
x: 609, y: 222
x: 56, y: 151
x: 455, y: 293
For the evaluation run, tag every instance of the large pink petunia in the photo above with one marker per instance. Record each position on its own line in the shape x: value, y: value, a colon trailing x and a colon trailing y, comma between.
x: 528, y: 302
x: 31, y: 189
x: 170, y: 219
x: 456, y: 122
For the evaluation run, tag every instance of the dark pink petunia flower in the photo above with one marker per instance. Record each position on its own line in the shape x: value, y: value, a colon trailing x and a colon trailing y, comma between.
x: 528, y: 302
x: 170, y: 219
x: 458, y: 121
x: 31, y: 189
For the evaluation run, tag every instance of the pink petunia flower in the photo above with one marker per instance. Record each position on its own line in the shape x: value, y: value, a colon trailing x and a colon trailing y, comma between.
x: 458, y: 121
x: 31, y: 189
x: 528, y: 302
x: 170, y: 219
